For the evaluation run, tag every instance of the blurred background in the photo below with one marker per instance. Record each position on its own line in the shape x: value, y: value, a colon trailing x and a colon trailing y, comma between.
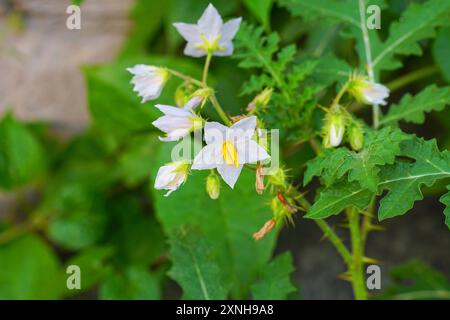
x: 78, y: 150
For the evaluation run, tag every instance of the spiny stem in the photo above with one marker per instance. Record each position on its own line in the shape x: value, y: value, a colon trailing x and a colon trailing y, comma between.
x: 330, y: 234
x: 369, y: 65
x: 356, y: 267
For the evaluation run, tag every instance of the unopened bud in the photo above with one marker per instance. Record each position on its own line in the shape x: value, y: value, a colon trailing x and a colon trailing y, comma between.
x: 355, y: 134
x: 267, y: 227
x: 198, y: 97
x: 260, y: 101
x: 335, y: 121
x: 213, y: 186
x: 259, y: 183
x: 182, y: 94
x: 366, y: 91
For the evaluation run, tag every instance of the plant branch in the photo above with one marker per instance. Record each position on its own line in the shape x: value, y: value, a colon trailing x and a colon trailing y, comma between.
x: 362, y: 15
x: 411, y: 77
x: 219, y: 110
x: 206, y: 69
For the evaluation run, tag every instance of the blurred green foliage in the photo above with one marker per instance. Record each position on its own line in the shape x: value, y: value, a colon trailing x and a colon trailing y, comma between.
x: 93, y: 202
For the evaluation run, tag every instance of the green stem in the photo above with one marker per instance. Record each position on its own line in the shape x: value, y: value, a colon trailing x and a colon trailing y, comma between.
x: 362, y: 15
x: 411, y: 77
x: 356, y: 267
x: 206, y: 68
x: 340, y: 94
x: 219, y: 110
x: 185, y: 77
x: 330, y: 234
x: 335, y: 240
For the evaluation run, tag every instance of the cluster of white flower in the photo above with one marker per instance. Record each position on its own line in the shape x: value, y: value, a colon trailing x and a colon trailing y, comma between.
x: 227, y: 149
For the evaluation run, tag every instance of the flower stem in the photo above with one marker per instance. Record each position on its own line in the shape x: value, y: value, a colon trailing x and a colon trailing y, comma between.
x: 185, y: 77
x: 206, y: 68
x: 340, y: 94
x: 330, y: 235
x: 356, y: 267
x: 362, y: 15
x: 219, y: 110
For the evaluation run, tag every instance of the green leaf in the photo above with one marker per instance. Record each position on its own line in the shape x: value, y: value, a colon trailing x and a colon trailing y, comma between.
x: 418, y: 22
x: 134, y: 283
x: 404, y: 179
x: 228, y: 222
x: 412, y: 109
x: 275, y: 282
x: 138, y: 238
x: 445, y: 199
x: 115, y: 108
x: 136, y: 162
x: 194, y: 266
x: 30, y: 270
x: 80, y: 217
x: 93, y: 266
x: 415, y: 280
x: 21, y: 154
x: 441, y: 51
x: 380, y: 148
x: 334, y: 199
x: 261, y: 10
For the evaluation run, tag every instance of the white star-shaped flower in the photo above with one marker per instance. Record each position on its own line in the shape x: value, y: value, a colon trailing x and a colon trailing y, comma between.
x: 229, y: 148
x: 148, y: 81
x: 171, y: 176
x: 210, y: 34
x: 176, y: 122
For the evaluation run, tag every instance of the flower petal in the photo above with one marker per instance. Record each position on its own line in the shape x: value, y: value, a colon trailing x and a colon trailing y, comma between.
x: 229, y: 174
x: 215, y: 132
x: 230, y: 29
x: 250, y: 152
x: 243, y: 129
x: 228, y: 49
x: 210, y: 23
x: 164, y: 176
x: 190, y: 32
x: 207, y: 158
x: 193, y: 50
x: 173, y: 111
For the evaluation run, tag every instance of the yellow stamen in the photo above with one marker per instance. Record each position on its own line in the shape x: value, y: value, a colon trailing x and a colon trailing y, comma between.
x: 229, y: 153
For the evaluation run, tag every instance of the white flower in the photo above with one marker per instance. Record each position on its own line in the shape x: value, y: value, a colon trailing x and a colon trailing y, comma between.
x: 210, y: 34
x: 228, y: 149
x: 171, y: 176
x: 374, y: 93
x: 148, y: 81
x: 366, y: 91
x: 176, y: 122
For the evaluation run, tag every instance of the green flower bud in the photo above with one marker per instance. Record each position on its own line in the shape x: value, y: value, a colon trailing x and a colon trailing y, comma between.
x: 260, y: 101
x: 213, y: 186
x: 182, y: 94
x: 355, y: 134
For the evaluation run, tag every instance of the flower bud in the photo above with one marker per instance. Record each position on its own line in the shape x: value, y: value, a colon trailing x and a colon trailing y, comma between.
x: 182, y: 94
x: 335, y: 121
x: 355, y: 134
x: 366, y: 91
x: 148, y: 81
x: 171, y: 176
x: 260, y: 101
x: 213, y: 186
x: 198, y: 97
